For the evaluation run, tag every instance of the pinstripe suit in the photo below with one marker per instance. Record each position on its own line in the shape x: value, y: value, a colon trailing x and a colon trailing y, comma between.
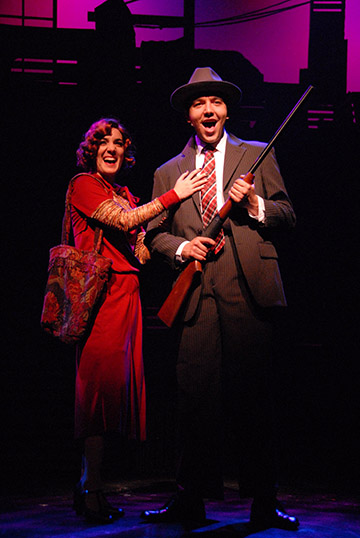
x: 225, y: 338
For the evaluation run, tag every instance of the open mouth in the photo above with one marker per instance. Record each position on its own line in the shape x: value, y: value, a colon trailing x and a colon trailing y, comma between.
x: 110, y: 161
x: 209, y: 125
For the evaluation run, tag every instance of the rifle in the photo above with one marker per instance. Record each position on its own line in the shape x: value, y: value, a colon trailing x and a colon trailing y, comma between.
x: 170, y: 309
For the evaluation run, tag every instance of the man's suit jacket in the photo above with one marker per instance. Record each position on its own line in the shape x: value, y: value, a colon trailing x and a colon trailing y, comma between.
x: 256, y: 253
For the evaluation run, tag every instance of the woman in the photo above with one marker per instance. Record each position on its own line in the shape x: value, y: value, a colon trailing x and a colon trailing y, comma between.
x: 110, y: 390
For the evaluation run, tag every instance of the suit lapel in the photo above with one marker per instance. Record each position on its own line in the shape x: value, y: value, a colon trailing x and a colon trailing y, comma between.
x: 188, y: 163
x: 235, y: 151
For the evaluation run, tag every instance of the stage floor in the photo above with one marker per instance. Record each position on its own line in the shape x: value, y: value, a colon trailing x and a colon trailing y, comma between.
x: 49, y: 514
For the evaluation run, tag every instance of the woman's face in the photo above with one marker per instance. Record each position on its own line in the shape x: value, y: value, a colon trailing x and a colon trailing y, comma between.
x: 110, y: 155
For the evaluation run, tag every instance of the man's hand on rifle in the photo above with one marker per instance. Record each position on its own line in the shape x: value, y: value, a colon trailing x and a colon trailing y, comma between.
x: 243, y: 193
x: 198, y: 248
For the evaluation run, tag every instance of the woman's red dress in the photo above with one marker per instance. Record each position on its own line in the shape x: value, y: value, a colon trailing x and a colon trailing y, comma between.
x: 110, y: 387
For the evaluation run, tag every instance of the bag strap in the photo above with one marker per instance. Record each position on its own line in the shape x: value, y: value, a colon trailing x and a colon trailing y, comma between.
x: 66, y: 223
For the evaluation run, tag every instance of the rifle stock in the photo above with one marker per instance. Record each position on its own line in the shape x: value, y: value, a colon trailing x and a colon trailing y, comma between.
x: 170, y: 309
x: 179, y: 292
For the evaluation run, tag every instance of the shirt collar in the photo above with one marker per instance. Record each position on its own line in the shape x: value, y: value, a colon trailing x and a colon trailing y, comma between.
x: 219, y: 147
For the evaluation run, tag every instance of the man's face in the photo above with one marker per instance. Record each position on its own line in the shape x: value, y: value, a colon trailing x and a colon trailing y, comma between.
x: 208, y: 115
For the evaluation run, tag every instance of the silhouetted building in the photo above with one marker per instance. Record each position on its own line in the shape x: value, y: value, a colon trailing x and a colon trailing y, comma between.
x: 327, y: 61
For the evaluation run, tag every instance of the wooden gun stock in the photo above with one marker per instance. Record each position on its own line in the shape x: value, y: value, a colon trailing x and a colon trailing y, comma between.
x: 182, y: 286
x: 179, y: 292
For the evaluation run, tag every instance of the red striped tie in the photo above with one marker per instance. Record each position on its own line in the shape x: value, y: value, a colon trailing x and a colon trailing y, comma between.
x: 208, y: 196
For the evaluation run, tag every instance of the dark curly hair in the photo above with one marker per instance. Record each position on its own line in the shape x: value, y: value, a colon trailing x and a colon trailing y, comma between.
x: 87, y: 151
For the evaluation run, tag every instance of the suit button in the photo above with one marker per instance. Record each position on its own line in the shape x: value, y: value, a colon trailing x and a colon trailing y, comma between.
x: 200, y: 231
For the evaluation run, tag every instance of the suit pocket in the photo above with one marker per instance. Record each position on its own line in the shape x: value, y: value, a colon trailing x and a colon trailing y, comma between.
x: 267, y: 250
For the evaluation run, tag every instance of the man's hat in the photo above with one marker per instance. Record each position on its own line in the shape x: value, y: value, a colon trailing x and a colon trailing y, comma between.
x: 204, y: 81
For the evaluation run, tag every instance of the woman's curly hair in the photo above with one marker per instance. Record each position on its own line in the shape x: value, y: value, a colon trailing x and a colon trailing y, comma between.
x: 87, y: 152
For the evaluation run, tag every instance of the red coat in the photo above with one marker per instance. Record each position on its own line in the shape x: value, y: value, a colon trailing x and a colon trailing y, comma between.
x: 110, y: 387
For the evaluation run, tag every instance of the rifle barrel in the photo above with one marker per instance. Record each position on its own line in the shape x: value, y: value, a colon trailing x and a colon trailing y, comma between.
x: 214, y: 226
x: 269, y: 146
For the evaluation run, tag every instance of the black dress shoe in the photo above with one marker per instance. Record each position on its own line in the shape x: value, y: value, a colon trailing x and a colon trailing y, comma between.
x: 103, y: 513
x: 179, y: 508
x: 265, y: 517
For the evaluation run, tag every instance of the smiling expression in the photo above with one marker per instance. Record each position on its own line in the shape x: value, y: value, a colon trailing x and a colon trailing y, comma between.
x: 208, y: 115
x: 110, y: 155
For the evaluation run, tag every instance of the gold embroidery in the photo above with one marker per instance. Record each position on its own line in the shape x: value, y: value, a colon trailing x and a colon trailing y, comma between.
x: 118, y: 213
x: 141, y: 251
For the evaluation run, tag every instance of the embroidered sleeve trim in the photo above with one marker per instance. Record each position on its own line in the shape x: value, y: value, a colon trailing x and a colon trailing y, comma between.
x: 117, y: 213
x: 141, y: 251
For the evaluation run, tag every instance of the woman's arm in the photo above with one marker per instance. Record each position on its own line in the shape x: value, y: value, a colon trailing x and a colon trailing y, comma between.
x: 117, y: 213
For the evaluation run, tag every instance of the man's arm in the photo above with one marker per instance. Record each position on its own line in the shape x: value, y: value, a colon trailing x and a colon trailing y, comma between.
x: 279, y: 211
x: 268, y: 193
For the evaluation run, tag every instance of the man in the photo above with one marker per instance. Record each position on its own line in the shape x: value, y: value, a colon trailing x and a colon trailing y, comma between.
x: 224, y: 354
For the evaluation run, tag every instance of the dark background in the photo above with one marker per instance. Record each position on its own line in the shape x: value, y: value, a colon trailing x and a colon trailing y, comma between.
x: 317, y: 365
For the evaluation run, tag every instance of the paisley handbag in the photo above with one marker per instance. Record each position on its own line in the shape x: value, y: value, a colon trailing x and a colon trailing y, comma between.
x: 75, y: 283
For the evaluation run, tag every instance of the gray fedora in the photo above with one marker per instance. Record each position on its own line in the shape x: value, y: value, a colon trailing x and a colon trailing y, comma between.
x: 204, y: 81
